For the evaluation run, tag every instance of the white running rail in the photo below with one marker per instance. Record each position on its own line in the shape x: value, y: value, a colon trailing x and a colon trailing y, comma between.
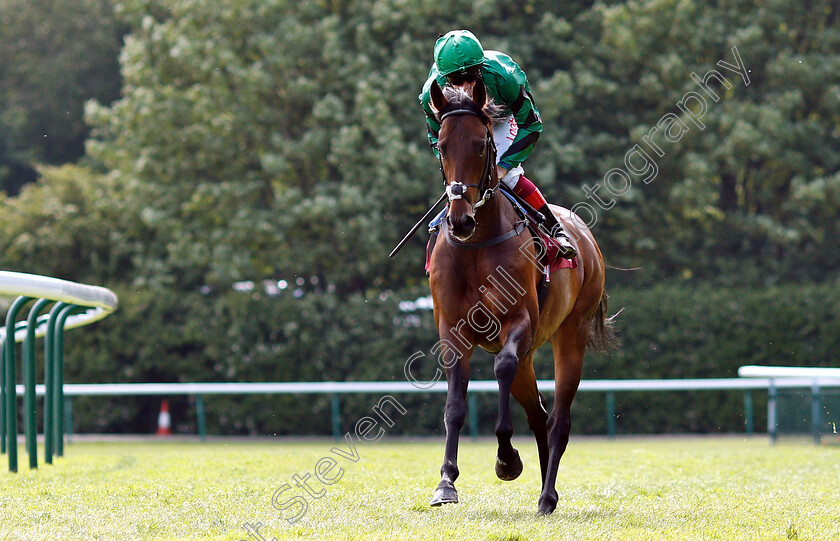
x: 99, y: 300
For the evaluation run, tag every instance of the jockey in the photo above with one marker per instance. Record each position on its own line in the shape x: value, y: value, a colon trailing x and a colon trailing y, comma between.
x: 460, y: 60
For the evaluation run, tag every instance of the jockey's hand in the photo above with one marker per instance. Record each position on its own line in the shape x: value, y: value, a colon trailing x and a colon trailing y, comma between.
x: 500, y: 172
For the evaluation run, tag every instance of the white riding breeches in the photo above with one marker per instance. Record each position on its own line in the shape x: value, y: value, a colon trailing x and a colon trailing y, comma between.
x: 504, y: 133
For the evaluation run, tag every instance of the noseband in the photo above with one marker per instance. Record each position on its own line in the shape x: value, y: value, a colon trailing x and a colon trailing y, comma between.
x: 456, y: 189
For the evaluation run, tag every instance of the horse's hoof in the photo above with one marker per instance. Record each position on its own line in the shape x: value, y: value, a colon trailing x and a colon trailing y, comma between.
x: 444, y: 495
x: 508, y: 471
x: 547, y: 505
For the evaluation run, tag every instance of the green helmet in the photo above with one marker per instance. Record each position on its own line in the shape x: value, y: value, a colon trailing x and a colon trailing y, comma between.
x: 457, y: 51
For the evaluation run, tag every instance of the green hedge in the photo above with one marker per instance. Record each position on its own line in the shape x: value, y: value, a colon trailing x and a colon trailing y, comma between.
x: 680, y: 330
x: 688, y: 330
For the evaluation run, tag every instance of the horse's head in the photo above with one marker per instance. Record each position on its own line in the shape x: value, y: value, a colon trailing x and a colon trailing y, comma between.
x: 467, y: 153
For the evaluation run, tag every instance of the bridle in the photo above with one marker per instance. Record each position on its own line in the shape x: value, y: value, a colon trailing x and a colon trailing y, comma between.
x: 456, y: 190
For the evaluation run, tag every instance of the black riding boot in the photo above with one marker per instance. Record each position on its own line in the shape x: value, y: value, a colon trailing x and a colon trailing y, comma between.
x: 556, y: 230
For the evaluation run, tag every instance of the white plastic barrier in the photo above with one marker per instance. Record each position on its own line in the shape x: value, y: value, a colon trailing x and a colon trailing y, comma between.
x: 786, y: 372
x: 74, y: 305
x: 793, y: 377
x: 99, y: 300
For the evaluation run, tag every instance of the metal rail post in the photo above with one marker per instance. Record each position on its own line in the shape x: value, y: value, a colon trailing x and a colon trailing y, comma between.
x: 335, y: 409
x: 49, y: 382
x: 611, y: 414
x: 58, y: 381
x: 68, y: 419
x: 3, y: 396
x: 771, y: 410
x: 201, y: 417
x: 11, y: 390
x: 749, y: 425
x: 816, y: 411
x: 30, y: 413
x: 473, y: 409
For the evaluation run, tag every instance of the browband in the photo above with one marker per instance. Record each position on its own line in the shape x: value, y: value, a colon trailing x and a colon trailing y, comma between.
x: 456, y: 112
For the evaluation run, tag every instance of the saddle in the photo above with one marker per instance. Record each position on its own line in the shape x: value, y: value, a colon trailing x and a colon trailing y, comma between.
x: 548, y: 250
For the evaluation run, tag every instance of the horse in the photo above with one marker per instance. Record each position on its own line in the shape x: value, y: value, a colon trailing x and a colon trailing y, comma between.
x: 484, y: 280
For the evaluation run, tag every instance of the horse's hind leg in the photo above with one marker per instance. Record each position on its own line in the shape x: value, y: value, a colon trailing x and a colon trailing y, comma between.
x: 505, y: 367
x: 569, y: 345
x: 525, y: 391
x: 457, y: 377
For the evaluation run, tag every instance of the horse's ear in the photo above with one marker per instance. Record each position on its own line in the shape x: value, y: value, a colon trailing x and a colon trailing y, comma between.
x: 438, y: 99
x: 479, y: 93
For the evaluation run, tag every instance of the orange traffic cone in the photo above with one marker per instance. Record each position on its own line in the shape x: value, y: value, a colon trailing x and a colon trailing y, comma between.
x: 164, y: 420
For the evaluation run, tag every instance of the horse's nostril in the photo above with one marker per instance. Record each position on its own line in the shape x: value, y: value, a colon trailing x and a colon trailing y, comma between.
x: 466, y: 224
x: 463, y: 226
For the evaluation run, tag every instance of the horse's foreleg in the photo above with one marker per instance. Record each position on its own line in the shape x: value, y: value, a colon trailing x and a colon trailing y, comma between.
x: 525, y: 392
x: 505, y: 366
x: 457, y: 377
x: 569, y: 345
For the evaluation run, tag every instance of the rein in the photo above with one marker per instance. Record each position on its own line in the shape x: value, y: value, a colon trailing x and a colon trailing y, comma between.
x: 518, y: 227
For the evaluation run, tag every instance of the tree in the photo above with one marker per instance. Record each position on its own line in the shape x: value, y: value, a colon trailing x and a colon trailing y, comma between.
x: 54, y: 55
x: 13, y: 156
x: 275, y: 140
x: 255, y: 108
x: 67, y: 225
x: 724, y: 202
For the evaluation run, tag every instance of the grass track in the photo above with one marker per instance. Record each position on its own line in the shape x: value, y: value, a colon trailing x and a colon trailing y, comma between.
x: 633, y: 489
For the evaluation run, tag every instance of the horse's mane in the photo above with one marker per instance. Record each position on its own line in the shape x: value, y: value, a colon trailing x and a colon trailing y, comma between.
x: 458, y: 98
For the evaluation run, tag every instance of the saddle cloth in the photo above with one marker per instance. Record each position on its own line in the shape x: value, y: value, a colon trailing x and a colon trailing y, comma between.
x: 555, y: 262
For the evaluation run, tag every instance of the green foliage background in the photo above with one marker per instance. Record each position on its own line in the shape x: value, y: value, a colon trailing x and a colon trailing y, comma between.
x: 260, y: 141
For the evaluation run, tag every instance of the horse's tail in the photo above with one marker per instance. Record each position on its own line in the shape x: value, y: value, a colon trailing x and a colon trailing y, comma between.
x: 602, y: 334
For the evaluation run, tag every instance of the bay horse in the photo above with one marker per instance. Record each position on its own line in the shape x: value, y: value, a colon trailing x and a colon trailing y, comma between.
x: 484, y: 280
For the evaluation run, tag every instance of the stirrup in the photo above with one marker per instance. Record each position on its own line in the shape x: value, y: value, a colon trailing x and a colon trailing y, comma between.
x: 567, y: 250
